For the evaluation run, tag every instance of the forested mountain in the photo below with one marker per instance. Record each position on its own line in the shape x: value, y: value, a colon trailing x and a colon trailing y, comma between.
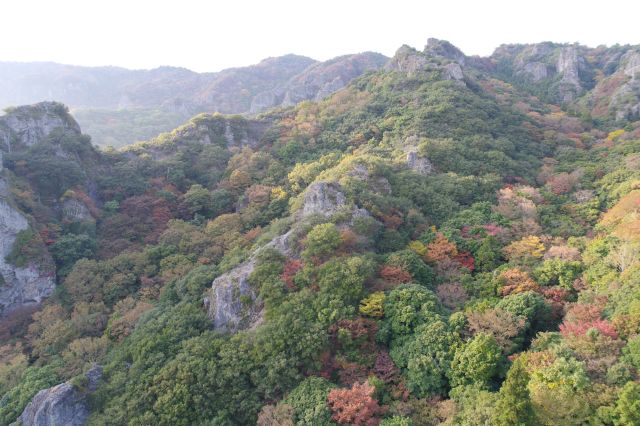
x: 119, y: 106
x: 445, y: 240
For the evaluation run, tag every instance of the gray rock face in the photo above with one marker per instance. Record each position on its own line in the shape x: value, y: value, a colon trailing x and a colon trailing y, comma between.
x: 318, y: 81
x: 625, y: 101
x: 60, y: 405
x: 29, y: 125
x: 323, y: 198
x: 75, y: 211
x: 22, y: 285
x: 536, y: 71
x: 568, y: 66
x: 445, y: 49
x: 407, y: 60
x: 232, y: 302
x: 631, y: 62
x: 23, y: 127
x: 453, y: 71
x: 421, y: 165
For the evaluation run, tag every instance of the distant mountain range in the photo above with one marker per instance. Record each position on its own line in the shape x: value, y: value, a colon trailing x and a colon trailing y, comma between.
x: 118, y: 106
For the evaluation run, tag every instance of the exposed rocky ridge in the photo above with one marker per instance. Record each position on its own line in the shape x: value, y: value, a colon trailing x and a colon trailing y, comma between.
x: 21, y: 285
x: 233, y: 132
x: 601, y: 79
x: 232, y: 303
x: 319, y: 80
x: 59, y: 405
x: 438, y: 55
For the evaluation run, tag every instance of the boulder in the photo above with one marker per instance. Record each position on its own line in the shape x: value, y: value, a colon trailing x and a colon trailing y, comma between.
x: 59, y: 405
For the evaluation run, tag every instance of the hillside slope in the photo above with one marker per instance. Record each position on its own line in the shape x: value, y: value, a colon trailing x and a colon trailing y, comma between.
x: 434, y: 243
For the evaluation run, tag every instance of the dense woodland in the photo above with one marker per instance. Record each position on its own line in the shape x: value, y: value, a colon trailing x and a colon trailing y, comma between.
x: 500, y: 288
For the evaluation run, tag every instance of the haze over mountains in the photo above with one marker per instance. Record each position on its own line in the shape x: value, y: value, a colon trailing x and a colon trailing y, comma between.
x: 160, y: 99
x: 119, y: 106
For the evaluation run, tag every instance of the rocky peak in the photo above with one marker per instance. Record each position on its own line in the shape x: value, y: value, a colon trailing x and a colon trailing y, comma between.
x: 445, y: 49
x: 407, y: 60
x: 31, y: 124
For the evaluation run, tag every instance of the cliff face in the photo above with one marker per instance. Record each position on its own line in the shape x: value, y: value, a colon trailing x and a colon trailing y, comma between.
x: 21, y: 285
x: 602, y: 79
x: 30, y: 281
x: 28, y: 125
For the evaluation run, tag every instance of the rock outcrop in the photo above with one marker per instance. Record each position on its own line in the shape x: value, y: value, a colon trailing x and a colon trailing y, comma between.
x: 420, y: 165
x: 407, y: 60
x: 20, y: 286
x: 232, y: 303
x: 28, y: 283
x: 445, y: 49
x: 63, y: 404
x: 568, y: 66
x: 74, y: 210
x: 28, y: 125
x: 318, y: 81
x: 324, y: 198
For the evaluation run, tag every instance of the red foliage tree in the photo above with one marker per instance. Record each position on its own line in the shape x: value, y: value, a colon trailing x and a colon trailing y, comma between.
x: 291, y: 268
x: 582, y: 317
x: 395, y: 274
x: 581, y: 328
x: 466, y: 260
x: 355, y: 406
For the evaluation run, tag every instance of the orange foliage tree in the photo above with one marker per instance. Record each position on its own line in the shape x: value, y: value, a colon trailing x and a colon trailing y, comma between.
x: 355, y: 406
x: 440, y: 249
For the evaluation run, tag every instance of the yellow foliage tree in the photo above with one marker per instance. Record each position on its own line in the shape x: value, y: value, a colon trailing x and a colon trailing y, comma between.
x: 525, y: 251
x: 373, y: 305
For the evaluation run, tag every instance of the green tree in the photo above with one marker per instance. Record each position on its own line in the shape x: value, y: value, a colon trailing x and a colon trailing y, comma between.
x: 426, y: 358
x: 487, y: 257
x: 514, y: 406
x: 321, y: 241
x: 198, y: 200
x: 628, y: 405
x: 478, y: 361
x: 309, y: 402
x: 70, y: 248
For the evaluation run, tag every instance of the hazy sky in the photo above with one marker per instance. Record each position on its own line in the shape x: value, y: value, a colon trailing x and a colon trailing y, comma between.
x: 212, y: 35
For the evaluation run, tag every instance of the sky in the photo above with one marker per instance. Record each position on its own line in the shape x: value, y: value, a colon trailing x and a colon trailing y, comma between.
x: 212, y: 35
